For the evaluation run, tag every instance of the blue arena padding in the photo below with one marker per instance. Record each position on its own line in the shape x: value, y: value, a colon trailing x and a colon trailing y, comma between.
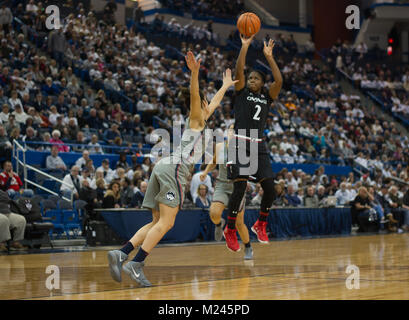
x: 126, y: 222
x: 282, y: 223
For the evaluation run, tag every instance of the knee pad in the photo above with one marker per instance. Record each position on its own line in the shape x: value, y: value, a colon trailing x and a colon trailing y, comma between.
x: 268, y: 196
x: 237, y: 196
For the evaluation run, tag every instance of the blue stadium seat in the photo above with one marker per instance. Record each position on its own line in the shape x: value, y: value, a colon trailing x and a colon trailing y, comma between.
x: 55, y: 216
x: 71, y: 221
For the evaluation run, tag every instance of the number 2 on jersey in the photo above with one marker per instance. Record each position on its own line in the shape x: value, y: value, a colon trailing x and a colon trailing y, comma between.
x: 256, y: 115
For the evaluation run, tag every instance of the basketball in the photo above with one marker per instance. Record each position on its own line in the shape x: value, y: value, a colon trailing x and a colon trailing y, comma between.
x: 248, y: 24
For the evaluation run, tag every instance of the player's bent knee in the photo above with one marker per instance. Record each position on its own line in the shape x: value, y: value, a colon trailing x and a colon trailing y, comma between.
x: 216, y: 210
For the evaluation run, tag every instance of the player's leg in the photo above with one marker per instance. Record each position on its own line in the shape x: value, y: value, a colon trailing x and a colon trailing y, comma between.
x: 155, y: 234
x: 244, y: 235
x: 239, y: 189
x: 221, y: 197
x: 260, y: 226
x: 116, y: 258
x: 216, y: 211
x: 138, y: 238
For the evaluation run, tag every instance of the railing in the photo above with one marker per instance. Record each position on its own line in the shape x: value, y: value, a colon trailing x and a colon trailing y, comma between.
x: 17, y: 148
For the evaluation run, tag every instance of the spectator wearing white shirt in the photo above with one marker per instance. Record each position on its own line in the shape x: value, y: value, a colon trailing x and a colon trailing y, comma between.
x: 31, y: 7
x: 81, y: 162
x: 178, y: 119
x: 94, y: 72
x: 352, y: 192
x: 360, y: 159
x: 144, y: 105
x: 285, y: 145
x: 305, y: 130
x: 53, y: 115
x: 274, y: 154
x: 194, y: 184
x: 283, y: 156
x: 343, y: 195
x: 85, y: 175
x: 108, y: 172
x: 290, y: 180
x: 99, y: 174
x: 276, y: 127
x: 20, y: 115
x: 14, y: 100
x: 299, y: 158
x: 95, y: 147
x: 71, y: 183
x: 289, y: 158
x: 357, y: 113
x: 111, y: 82
x: 293, y: 146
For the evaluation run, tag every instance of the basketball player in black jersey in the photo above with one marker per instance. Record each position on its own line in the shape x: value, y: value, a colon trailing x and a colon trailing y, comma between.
x: 251, y: 103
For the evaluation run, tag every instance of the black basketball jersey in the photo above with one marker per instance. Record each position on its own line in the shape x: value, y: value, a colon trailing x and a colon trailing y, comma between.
x: 251, y: 110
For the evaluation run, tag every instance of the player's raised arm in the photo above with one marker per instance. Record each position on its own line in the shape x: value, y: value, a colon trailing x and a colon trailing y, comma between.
x: 218, y: 97
x: 275, y: 87
x: 211, y: 166
x: 196, y: 113
x: 241, y: 62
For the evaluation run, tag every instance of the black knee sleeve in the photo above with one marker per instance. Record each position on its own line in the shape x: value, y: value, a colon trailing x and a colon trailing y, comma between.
x: 237, y: 196
x: 268, y: 196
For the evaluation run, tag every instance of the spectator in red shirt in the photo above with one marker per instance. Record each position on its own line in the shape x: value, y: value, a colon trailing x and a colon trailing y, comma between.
x: 9, y: 180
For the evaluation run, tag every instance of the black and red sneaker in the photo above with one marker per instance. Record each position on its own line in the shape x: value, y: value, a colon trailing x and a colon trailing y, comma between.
x: 260, y: 229
x: 231, y: 239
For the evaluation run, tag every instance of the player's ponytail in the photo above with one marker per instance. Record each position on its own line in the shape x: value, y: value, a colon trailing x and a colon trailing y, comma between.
x: 185, y: 96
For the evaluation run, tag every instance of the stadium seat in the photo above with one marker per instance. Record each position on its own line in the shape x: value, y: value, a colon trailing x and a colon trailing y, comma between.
x: 55, y: 217
x: 71, y: 221
x: 64, y: 205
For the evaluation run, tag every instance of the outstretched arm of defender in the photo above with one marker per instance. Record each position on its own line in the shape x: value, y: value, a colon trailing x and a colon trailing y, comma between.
x: 195, y: 103
x: 241, y: 62
x: 227, y: 83
x: 211, y: 166
x: 275, y: 87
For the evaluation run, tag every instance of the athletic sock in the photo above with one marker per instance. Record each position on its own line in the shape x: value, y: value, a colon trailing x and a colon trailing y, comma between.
x: 247, y: 245
x: 263, y: 216
x: 140, y: 256
x: 231, y: 223
x: 127, y: 249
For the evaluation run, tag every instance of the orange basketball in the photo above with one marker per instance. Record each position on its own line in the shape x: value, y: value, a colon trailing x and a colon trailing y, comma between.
x: 248, y: 24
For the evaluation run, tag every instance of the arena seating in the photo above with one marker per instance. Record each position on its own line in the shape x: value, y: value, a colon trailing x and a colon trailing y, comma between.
x: 324, y: 127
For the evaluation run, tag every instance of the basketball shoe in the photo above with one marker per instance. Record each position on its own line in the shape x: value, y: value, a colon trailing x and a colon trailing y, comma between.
x: 248, y: 253
x: 116, y: 258
x: 259, y: 228
x: 231, y: 239
x: 134, y: 270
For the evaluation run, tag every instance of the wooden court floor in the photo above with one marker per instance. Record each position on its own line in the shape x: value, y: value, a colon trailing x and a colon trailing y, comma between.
x: 296, y: 269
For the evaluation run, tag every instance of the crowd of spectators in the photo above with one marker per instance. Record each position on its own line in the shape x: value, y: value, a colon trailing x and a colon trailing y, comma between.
x: 43, y: 99
x: 227, y: 9
x: 388, y: 81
